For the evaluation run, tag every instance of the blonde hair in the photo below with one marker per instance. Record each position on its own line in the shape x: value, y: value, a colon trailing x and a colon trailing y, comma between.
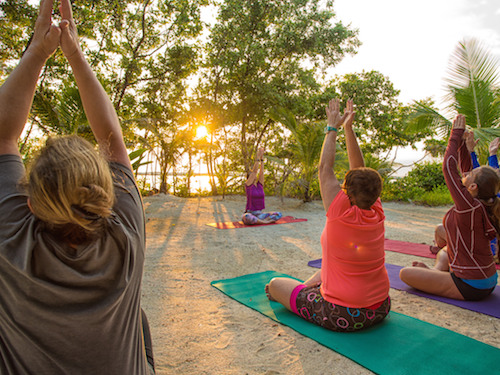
x: 70, y: 188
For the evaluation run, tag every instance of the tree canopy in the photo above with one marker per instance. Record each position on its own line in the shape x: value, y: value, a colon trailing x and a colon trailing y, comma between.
x: 168, y: 72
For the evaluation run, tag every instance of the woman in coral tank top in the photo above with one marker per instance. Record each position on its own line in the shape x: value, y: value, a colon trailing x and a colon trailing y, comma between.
x: 351, y: 292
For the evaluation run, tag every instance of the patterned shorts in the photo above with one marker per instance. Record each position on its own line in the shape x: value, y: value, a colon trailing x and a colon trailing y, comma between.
x: 308, y: 303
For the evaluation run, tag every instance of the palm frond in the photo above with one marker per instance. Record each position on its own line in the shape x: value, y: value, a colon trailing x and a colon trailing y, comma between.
x: 70, y: 109
x: 425, y: 117
x: 472, y: 84
x: 472, y: 62
x: 285, y: 117
x: 45, y: 112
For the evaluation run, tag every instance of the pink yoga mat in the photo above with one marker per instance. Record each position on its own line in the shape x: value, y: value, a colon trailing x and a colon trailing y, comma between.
x: 411, y: 248
x: 239, y: 224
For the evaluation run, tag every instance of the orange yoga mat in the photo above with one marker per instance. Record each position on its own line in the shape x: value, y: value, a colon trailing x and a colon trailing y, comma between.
x: 239, y: 224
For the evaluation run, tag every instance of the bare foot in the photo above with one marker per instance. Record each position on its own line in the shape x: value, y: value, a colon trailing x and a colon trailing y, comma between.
x: 268, y: 294
x: 419, y: 264
x: 434, y: 249
x: 264, y: 221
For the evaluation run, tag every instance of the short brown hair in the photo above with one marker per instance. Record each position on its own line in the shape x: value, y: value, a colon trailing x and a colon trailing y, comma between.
x: 363, y: 186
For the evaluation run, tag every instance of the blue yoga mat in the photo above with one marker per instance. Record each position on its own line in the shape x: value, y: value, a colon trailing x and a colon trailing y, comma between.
x: 399, y: 345
x: 488, y: 306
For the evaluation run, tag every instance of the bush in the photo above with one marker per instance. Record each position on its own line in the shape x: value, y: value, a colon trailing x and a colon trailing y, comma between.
x: 440, y: 196
x: 399, y: 190
x: 428, y: 176
x: 424, y: 184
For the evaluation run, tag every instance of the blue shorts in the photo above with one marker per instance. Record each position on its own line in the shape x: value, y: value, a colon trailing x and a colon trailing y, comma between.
x: 469, y: 292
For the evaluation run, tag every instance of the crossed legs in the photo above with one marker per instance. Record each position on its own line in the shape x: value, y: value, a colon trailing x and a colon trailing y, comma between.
x: 437, y: 280
x: 280, y: 289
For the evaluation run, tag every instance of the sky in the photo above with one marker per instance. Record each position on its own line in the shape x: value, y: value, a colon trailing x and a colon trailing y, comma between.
x: 411, y: 42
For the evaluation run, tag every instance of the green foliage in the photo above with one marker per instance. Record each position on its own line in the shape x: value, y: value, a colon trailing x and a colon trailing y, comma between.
x: 439, y: 196
x: 426, y: 176
x: 137, y: 159
x: 399, y: 190
x: 181, y: 187
x: 380, y: 117
x: 382, y: 166
x: 473, y: 89
x: 259, y: 55
x: 435, y: 147
x: 256, y: 57
x: 304, y: 148
x: 424, y: 184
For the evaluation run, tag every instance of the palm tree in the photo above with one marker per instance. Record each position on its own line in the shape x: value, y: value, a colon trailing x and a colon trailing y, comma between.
x: 473, y: 89
x: 305, y: 148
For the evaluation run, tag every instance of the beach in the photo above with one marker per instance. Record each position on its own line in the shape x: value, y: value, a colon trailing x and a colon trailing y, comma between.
x: 197, y: 329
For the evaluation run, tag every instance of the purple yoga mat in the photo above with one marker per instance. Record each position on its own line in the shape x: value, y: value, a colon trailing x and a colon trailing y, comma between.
x: 488, y: 306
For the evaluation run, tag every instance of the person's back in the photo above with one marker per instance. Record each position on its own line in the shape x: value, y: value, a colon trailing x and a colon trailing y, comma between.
x: 67, y: 307
x: 353, y: 254
x: 72, y: 233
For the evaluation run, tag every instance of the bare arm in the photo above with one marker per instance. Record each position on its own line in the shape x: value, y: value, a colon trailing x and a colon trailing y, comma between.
x: 253, y: 174
x: 470, y: 142
x: 493, y: 148
x: 16, y: 94
x: 328, y: 183
x: 354, y: 153
x: 261, y: 169
x: 98, y: 107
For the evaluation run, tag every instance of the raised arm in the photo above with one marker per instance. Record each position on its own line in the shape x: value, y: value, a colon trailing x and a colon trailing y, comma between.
x: 328, y: 183
x: 354, y: 153
x: 261, y: 168
x: 16, y: 94
x: 471, y: 144
x: 98, y: 108
x: 493, y: 159
x: 461, y: 196
x: 252, y: 177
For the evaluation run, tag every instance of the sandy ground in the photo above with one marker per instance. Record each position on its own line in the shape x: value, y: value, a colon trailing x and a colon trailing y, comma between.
x: 198, y: 330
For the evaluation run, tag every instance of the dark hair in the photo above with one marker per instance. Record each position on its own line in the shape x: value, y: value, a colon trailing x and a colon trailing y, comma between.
x: 363, y: 186
x: 487, y: 180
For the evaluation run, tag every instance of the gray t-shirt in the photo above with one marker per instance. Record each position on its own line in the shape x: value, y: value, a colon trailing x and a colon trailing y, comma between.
x: 64, y: 311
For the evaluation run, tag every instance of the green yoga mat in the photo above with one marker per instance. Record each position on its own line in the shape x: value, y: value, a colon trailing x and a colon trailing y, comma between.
x: 399, y: 345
